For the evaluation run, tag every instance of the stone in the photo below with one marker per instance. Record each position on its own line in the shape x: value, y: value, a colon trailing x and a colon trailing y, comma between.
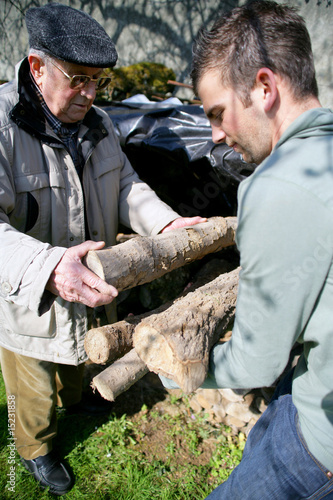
x: 233, y: 422
x: 219, y: 412
x: 211, y: 396
x: 195, y: 405
x: 203, y: 402
x: 233, y: 395
x: 240, y: 411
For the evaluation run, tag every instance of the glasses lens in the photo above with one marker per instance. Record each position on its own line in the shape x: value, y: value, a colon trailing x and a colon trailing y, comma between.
x: 79, y: 81
x: 102, y: 82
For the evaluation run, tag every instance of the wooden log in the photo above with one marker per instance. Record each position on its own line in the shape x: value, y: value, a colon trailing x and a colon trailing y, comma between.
x: 107, y: 343
x: 177, y: 342
x: 120, y: 376
x: 143, y: 259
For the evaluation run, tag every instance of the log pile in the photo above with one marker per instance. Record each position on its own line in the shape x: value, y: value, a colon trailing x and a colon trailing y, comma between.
x: 175, y: 339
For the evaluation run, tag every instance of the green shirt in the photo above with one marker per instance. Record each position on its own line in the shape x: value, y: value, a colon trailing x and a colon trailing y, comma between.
x: 285, y: 239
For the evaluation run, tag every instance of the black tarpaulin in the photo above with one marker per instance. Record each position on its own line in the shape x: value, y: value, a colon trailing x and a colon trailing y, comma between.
x: 170, y: 146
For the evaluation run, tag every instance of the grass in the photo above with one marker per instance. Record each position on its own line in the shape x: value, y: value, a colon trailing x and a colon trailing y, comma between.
x: 158, y: 450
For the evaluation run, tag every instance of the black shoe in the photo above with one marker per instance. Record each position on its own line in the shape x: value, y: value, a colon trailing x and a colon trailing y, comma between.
x: 51, y: 473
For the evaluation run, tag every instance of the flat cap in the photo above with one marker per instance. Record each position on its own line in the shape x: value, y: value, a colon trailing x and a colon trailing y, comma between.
x: 70, y: 35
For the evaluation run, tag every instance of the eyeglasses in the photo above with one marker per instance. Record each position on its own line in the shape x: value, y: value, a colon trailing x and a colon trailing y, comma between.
x: 78, y: 82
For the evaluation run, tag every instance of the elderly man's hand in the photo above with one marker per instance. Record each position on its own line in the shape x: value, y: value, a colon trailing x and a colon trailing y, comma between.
x: 182, y: 222
x: 74, y: 282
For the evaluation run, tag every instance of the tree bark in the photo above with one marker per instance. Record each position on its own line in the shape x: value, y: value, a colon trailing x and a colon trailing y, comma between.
x: 107, y: 343
x: 120, y: 376
x: 176, y: 343
x: 143, y: 259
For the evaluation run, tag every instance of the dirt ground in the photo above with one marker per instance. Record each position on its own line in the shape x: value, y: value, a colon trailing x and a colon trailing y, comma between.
x: 164, y: 439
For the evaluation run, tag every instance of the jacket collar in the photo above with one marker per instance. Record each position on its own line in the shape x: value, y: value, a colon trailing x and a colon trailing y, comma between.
x: 28, y: 113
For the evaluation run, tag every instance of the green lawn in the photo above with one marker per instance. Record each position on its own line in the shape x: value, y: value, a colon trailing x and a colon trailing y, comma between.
x: 151, y: 454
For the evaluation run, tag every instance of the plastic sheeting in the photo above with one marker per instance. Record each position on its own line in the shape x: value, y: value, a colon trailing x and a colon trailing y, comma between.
x: 170, y: 146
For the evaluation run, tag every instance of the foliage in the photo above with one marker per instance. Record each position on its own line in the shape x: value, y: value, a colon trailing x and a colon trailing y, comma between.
x: 150, y: 79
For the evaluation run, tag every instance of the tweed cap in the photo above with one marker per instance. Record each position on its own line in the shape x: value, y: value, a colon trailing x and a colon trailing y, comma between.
x: 70, y: 35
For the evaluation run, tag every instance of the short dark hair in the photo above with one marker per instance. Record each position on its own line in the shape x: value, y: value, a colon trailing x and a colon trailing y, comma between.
x: 259, y: 34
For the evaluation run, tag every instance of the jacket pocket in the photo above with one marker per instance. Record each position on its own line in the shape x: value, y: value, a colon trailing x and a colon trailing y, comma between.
x: 106, y: 165
x: 34, y: 194
x: 28, y: 201
x: 21, y: 321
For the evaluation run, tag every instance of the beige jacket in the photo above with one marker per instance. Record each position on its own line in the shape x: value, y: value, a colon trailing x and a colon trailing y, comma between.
x: 42, y: 213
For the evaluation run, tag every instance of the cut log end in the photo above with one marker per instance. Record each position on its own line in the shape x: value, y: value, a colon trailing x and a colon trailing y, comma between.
x: 97, y: 346
x: 107, y: 343
x: 93, y: 262
x: 161, y: 359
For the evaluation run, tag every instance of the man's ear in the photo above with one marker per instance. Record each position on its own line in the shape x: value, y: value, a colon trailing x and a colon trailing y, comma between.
x: 37, y: 67
x: 267, y: 85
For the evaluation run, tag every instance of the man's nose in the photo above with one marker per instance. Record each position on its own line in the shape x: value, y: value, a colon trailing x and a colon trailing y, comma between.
x: 218, y: 135
x: 89, y: 90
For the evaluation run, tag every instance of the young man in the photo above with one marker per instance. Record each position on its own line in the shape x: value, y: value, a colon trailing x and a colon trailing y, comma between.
x: 255, y: 75
x: 64, y: 185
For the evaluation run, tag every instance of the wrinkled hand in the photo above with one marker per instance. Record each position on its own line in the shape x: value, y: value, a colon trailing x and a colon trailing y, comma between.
x: 74, y: 282
x: 182, y: 222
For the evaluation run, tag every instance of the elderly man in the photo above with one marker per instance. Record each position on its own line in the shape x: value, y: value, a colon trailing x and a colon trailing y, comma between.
x: 255, y: 75
x: 64, y: 185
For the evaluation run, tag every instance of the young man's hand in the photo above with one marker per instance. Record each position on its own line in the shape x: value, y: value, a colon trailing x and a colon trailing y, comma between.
x: 182, y: 222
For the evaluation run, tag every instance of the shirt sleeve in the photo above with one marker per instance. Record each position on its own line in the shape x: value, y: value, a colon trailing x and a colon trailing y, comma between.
x: 285, y: 260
